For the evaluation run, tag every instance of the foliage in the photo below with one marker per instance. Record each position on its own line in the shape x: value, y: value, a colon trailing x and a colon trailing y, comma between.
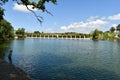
x: 118, y: 27
x: 20, y: 31
x: 6, y: 30
x: 108, y: 35
x: 1, y: 13
x: 119, y: 34
x: 36, y: 32
x: 112, y: 29
x: 39, y: 5
x: 95, y: 34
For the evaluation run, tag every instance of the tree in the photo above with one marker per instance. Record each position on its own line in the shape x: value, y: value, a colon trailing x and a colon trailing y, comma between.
x: 112, y: 29
x: 20, y: 32
x: 40, y: 5
x: 95, y: 34
x: 36, y: 32
x: 6, y: 30
x: 118, y: 28
x: 1, y: 13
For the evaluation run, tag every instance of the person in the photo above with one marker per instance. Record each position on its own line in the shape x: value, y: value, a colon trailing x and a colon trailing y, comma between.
x: 10, y: 55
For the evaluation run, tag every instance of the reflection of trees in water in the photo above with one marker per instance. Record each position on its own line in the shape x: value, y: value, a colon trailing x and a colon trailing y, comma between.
x: 3, y: 48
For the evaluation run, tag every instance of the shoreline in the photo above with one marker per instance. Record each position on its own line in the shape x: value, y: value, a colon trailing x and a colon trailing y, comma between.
x: 61, y: 38
x: 10, y: 72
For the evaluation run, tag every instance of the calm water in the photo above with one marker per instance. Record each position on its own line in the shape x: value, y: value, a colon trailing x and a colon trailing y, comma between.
x: 55, y: 59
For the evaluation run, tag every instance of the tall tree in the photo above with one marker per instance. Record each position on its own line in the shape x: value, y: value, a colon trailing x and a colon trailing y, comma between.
x: 118, y: 27
x: 20, y: 31
x: 112, y: 29
x: 6, y: 30
x: 95, y: 34
x: 1, y: 13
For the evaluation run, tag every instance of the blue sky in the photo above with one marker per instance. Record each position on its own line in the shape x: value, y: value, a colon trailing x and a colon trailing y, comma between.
x: 82, y: 16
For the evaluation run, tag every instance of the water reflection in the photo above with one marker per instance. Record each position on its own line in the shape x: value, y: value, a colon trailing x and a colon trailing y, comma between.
x: 4, y: 47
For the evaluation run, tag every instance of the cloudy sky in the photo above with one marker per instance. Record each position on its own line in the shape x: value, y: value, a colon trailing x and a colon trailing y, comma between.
x: 81, y: 16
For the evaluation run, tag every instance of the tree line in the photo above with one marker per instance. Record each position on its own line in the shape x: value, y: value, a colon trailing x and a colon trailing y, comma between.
x: 6, y: 29
x: 113, y: 33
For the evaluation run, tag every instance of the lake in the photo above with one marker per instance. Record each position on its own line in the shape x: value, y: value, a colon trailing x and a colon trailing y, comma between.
x: 63, y: 59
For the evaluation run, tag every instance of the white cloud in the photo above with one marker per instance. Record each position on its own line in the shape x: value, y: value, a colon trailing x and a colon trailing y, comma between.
x: 114, y: 17
x: 92, y: 18
x: 113, y: 25
x: 103, y: 18
x: 91, y: 24
x: 97, y: 23
x: 22, y: 8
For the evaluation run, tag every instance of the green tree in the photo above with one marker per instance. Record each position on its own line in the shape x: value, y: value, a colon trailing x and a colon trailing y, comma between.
x: 96, y: 34
x: 6, y: 30
x: 36, y: 32
x: 1, y: 13
x: 112, y: 29
x: 20, y: 32
x: 5, y: 27
x: 118, y: 29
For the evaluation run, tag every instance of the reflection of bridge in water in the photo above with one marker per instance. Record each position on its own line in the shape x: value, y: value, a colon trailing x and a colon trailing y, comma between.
x: 61, y: 37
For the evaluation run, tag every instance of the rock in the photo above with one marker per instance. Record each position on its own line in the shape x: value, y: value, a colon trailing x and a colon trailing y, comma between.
x: 10, y: 72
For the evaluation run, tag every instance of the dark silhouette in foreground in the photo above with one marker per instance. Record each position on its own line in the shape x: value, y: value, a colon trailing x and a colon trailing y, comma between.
x: 10, y: 56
